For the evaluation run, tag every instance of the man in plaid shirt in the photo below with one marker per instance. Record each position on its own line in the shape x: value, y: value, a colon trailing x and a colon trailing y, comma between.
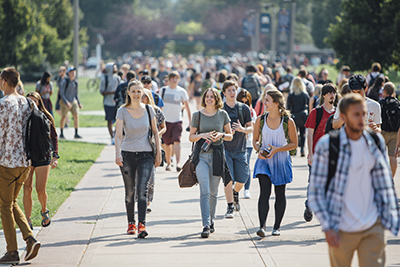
x: 361, y: 200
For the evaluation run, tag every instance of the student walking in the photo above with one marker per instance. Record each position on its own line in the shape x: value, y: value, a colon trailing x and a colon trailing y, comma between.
x: 45, y: 89
x: 134, y: 153
x: 356, y: 200
x: 69, y: 101
x: 235, y: 150
x: 297, y: 104
x: 14, y: 167
x: 41, y: 169
x: 148, y: 99
x: 274, y: 165
x: 244, y: 97
x: 210, y: 125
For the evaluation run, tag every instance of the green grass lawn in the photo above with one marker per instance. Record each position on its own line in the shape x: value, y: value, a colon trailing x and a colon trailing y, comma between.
x: 76, y: 159
x: 89, y: 101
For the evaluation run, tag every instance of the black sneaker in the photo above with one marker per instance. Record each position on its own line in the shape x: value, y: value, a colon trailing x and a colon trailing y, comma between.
x: 206, y: 232
x: 77, y: 136
x: 32, y: 248
x: 212, y: 229
x: 229, y: 212
x: 236, y: 201
x: 11, y: 257
x: 148, y: 210
x: 61, y: 136
x: 308, y: 215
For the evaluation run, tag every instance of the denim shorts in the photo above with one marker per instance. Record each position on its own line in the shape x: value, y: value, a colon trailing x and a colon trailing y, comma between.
x: 238, y: 165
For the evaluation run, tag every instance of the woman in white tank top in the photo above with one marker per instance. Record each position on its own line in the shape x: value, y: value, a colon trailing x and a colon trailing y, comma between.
x: 276, y: 167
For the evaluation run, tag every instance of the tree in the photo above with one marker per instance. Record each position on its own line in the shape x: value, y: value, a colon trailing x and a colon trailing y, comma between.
x: 324, y: 14
x: 367, y: 31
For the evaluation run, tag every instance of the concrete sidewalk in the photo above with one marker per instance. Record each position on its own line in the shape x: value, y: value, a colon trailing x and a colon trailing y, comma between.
x: 89, y: 229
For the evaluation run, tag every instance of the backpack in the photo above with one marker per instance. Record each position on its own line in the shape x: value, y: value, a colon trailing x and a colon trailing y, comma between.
x: 371, y: 82
x: 391, y: 108
x: 251, y: 84
x: 318, y: 118
x: 37, y: 137
x: 334, y: 148
x: 285, y: 129
x: 329, y: 124
x: 121, y: 96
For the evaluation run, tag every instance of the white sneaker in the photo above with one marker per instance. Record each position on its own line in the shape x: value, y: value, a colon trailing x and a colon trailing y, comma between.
x: 247, y: 194
x: 229, y: 213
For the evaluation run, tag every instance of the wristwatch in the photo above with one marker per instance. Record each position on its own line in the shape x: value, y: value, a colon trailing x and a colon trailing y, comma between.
x: 55, y: 155
x: 223, y: 136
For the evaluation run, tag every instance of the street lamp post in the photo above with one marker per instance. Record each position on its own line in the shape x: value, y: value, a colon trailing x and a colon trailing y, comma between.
x: 76, y: 35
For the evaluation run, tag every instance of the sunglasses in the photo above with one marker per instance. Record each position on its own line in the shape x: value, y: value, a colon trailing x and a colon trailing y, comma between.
x: 146, y: 82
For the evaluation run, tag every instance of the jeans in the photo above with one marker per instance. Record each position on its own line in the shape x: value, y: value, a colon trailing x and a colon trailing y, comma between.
x: 302, y: 138
x: 208, y: 187
x: 238, y: 165
x: 247, y: 185
x: 143, y: 163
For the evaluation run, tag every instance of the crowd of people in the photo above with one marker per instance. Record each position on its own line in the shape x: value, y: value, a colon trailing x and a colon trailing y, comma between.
x: 242, y: 108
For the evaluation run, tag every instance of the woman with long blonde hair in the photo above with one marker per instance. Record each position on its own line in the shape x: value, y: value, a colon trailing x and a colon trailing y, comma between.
x: 297, y: 104
x: 274, y: 165
x: 134, y: 153
x: 41, y: 169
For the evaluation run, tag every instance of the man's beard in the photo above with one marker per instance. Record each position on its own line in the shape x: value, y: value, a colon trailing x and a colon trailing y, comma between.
x: 331, y: 102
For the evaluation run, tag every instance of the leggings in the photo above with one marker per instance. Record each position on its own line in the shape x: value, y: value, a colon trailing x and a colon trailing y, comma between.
x: 140, y: 164
x: 302, y: 138
x: 263, y: 201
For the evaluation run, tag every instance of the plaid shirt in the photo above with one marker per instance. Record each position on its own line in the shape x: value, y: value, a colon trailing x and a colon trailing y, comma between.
x: 328, y: 208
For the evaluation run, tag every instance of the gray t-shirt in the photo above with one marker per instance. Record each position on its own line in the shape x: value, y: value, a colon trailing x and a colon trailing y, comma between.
x: 215, y: 122
x: 238, y: 143
x: 40, y: 88
x: 136, y: 131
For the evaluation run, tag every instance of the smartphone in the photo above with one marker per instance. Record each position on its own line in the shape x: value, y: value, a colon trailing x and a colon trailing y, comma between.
x: 265, y: 152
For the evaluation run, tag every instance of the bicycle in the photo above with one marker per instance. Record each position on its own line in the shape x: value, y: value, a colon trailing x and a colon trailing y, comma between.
x: 93, y: 84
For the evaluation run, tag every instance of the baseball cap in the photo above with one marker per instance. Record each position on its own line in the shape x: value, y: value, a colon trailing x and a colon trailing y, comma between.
x: 71, y: 69
x: 145, y: 79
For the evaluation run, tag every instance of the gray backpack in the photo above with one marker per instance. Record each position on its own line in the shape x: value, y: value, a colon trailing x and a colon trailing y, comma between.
x: 251, y: 84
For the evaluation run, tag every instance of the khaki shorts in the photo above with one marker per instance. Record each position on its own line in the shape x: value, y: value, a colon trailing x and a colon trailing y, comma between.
x: 64, y: 108
x: 390, y: 140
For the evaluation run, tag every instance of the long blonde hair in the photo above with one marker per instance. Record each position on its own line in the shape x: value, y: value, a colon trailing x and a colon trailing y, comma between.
x: 297, y: 87
x: 41, y: 106
x: 269, y: 86
x: 133, y: 82
x: 277, y: 97
x: 149, y: 96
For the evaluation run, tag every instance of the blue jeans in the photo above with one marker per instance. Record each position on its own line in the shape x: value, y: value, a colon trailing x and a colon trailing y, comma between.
x: 247, y: 185
x: 238, y: 165
x: 208, y: 187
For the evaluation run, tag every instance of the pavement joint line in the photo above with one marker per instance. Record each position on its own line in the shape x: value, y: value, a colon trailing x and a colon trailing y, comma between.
x: 97, y: 218
x: 251, y: 239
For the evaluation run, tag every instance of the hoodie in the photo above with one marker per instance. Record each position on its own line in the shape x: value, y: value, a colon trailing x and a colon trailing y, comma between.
x: 113, y: 80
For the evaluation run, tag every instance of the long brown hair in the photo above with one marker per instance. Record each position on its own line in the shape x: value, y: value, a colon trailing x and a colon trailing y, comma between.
x: 218, y: 101
x: 132, y: 82
x: 41, y: 106
x: 246, y: 94
x: 277, y: 97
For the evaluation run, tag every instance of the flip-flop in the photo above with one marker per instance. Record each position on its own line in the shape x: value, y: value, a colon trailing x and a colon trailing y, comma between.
x: 30, y: 223
x: 46, y: 217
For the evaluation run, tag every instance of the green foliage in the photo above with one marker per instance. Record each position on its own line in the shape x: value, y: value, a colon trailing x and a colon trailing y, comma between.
x: 190, y: 27
x: 367, y: 31
x: 324, y: 14
x: 302, y: 34
x: 184, y: 48
x: 36, y: 33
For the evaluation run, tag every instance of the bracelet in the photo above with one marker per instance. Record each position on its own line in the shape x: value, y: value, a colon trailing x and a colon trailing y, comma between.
x: 223, y: 135
x: 55, y: 155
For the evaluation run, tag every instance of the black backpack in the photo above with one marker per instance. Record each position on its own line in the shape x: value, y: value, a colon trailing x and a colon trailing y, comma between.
x: 391, y: 110
x: 37, y: 137
x: 251, y: 84
x: 334, y: 148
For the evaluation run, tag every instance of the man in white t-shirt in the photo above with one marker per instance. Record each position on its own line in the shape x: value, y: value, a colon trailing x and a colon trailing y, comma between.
x: 358, y: 85
x: 174, y: 96
x: 357, y: 200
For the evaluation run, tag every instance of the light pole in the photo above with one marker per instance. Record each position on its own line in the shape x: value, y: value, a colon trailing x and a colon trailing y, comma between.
x: 76, y: 35
x: 292, y: 21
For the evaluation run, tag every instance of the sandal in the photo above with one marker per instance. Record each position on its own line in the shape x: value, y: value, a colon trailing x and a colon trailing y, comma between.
x: 46, y: 217
x: 30, y: 223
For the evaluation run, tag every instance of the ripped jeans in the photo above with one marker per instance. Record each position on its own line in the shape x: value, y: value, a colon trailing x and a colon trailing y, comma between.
x: 142, y: 164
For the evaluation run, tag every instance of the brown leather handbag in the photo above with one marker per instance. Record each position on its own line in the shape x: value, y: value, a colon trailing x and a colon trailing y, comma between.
x: 187, y: 177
